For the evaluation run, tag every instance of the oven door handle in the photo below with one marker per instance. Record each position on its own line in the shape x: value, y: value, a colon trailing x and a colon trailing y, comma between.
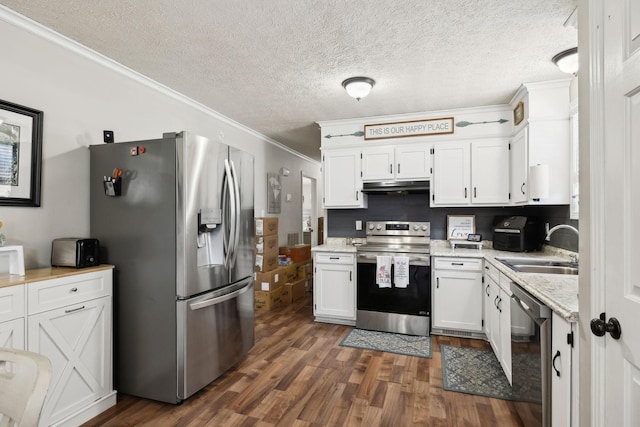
x: 422, y: 260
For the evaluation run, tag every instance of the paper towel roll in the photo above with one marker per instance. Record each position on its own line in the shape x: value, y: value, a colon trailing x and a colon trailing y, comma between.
x: 538, y: 182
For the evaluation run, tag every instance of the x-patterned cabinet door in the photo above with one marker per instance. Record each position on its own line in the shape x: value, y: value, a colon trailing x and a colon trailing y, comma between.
x: 77, y: 340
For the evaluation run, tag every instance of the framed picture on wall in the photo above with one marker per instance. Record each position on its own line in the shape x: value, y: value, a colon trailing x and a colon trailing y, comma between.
x: 460, y: 226
x: 274, y: 193
x: 518, y: 113
x: 20, y: 155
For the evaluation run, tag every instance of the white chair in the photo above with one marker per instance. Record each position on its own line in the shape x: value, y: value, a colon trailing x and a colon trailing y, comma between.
x: 24, y: 380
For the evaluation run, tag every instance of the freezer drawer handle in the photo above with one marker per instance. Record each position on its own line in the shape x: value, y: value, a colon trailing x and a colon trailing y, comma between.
x: 217, y: 300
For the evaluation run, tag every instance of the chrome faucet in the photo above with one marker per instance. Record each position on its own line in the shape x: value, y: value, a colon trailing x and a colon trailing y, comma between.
x: 559, y: 227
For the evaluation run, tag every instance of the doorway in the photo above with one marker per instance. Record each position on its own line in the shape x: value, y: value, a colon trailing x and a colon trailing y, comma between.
x: 309, y: 232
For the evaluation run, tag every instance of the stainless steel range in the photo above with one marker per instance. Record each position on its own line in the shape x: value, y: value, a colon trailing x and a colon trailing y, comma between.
x: 394, y: 278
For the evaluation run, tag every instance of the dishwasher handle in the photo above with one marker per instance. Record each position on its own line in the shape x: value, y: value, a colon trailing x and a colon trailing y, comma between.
x: 217, y: 300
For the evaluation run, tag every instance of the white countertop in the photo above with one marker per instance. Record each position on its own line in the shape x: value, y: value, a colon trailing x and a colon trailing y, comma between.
x: 559, y: 292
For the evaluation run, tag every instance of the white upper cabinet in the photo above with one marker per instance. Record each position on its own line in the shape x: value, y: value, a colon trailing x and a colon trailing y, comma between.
x: 400, y: 162
x: 542, y: 138
x: 490, y: 171
x: 342, y: 181
x: 451, y: 174
x: 474, y: 172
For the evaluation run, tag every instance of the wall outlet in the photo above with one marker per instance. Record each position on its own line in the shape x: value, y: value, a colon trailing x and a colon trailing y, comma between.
x: 358, y: 225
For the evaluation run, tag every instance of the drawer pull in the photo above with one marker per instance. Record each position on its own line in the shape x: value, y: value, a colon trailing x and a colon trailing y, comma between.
x: 71, y: 310
x: 74, y: 290
x: 334, y: 257
x: 457, y: 263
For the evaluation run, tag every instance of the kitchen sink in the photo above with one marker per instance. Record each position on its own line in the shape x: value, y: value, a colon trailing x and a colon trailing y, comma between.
x: 540, y: 266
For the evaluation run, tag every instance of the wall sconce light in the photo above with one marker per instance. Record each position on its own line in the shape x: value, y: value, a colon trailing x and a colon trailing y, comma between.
x: 567, y: 61
x: 284, y: 171
x: 538, y: 182
x: 358, y: 87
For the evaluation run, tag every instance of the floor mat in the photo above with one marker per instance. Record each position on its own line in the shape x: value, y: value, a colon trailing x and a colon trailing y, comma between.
x: 419, y: 346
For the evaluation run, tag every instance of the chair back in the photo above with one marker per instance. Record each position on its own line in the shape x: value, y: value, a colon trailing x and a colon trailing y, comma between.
x: 24, y: 380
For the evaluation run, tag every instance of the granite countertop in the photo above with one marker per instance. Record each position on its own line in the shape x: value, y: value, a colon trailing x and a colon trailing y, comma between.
x: 47, y: 273
x: 559, y: 292
x: 336, y: 244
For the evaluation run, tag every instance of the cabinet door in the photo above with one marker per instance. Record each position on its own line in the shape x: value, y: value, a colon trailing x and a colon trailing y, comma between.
x: 560, y: 372
x: 451, y: 174
x: 413, y: 161
x: 377, y: 163
x: 490, y: 171
x: 504, y: 310
x: 77, y: 340
x: 335, y: 293
x: 457, y: 297
x: 494, y: 318
x: 487, y: 307
x: 519, y: 167
x: 342, y: 181
x: 12, y: 334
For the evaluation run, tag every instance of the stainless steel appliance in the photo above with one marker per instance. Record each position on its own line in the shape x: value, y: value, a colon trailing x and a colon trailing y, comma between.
x: 179, y: 232
x: 397, y: 309
x: 74, y: 252
x: 518, y: 234
x: 530, y: 361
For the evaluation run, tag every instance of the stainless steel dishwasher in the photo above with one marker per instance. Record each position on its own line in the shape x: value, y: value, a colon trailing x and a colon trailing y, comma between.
x: 530, y: 359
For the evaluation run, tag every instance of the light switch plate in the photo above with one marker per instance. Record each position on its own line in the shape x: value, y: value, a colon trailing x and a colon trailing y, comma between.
x: 358, y: 225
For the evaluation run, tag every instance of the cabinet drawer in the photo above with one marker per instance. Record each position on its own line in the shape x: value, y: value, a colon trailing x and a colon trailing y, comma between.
x: 492, y: 271
x: 11, y: 302
x: 466, y: 264
x: 335, y: 258
x: 55, y: 293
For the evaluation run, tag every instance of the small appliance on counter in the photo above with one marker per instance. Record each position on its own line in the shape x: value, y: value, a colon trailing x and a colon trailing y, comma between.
x: 518, y: 234
x: 75, y: 252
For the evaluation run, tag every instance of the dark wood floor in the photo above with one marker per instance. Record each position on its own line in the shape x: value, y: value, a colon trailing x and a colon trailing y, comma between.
x: 298, y: 375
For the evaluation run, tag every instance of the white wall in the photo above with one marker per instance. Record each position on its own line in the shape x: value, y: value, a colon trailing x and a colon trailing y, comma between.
x: 81, y: 94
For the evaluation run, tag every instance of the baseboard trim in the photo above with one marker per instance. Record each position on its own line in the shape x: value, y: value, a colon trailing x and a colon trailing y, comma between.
x: 90, y: 411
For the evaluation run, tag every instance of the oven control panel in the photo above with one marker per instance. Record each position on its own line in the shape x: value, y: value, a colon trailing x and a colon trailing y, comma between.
x: 398, y: 228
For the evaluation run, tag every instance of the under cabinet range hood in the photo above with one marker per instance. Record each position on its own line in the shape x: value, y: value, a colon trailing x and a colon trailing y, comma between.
x: 396, y: 187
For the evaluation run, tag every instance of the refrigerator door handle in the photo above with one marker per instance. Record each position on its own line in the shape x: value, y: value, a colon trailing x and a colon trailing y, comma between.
x: 236, y: 218
x: 217, y: 300
x: 232, y: 214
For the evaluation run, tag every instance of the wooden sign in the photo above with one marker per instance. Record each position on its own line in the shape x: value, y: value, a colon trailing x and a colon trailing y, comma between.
x: 411, y: 128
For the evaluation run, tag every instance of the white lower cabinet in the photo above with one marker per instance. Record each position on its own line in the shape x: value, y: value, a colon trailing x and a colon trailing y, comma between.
x: 12, y: 308
x: 456, y: 289
x: 334, y: 293
x: 564, y: 387
x: 69, y: 320
x: 497, y: 316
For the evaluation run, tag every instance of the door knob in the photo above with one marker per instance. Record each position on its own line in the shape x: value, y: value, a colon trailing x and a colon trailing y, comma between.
x: 599, y: 327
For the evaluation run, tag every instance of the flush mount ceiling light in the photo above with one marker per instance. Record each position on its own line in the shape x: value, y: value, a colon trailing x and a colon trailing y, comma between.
x: 567, y: 61
x: 358, y: 87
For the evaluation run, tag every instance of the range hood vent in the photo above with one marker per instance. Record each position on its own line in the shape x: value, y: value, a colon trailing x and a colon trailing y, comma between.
x: 396, y: 187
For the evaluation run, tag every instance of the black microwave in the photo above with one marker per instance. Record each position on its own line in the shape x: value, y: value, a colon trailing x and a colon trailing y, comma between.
x: 518, y: 234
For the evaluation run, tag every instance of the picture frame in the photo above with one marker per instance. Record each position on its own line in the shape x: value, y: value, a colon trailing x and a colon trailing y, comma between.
x: 460, y: 226
x: 20, y: 155
x: 518, y: 113
x: 274, y: 193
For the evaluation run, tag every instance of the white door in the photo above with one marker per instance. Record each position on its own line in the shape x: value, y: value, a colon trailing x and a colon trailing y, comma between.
x: 519, y: 167
x: 490, y: 171
x: 451, y: 174
x: 620, y: 368
x: 342, y: 181
x: 413, y: 161
x: 377, y: 163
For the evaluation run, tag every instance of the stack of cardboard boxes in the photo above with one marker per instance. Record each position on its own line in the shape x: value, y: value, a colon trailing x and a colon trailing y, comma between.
x: 277, y: 284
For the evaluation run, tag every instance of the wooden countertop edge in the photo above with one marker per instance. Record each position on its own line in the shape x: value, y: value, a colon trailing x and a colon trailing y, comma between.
x: 47, y: 273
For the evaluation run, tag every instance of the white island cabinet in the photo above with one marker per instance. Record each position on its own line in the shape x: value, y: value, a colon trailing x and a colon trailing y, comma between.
x: 69, y: 320
x: 334, y: 293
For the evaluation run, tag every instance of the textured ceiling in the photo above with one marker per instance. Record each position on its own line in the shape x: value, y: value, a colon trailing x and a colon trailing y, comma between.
x: 277, y: 66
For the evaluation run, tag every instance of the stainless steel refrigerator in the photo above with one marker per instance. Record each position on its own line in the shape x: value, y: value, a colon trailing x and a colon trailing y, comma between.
x: 175, y: 217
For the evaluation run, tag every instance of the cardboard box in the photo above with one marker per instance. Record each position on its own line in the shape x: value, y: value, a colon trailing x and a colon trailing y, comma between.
x: 266, y: 262
x: 265, y: 226
x: 304, y: 270
x: 268, y: 300
x: 293, y: 291
x: 269, y: 280
x: 265, y: 244
x: 289, y: 273
x: 297, y: 253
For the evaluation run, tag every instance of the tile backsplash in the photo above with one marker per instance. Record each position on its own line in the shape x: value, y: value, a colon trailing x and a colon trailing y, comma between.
x: 415, y: 207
